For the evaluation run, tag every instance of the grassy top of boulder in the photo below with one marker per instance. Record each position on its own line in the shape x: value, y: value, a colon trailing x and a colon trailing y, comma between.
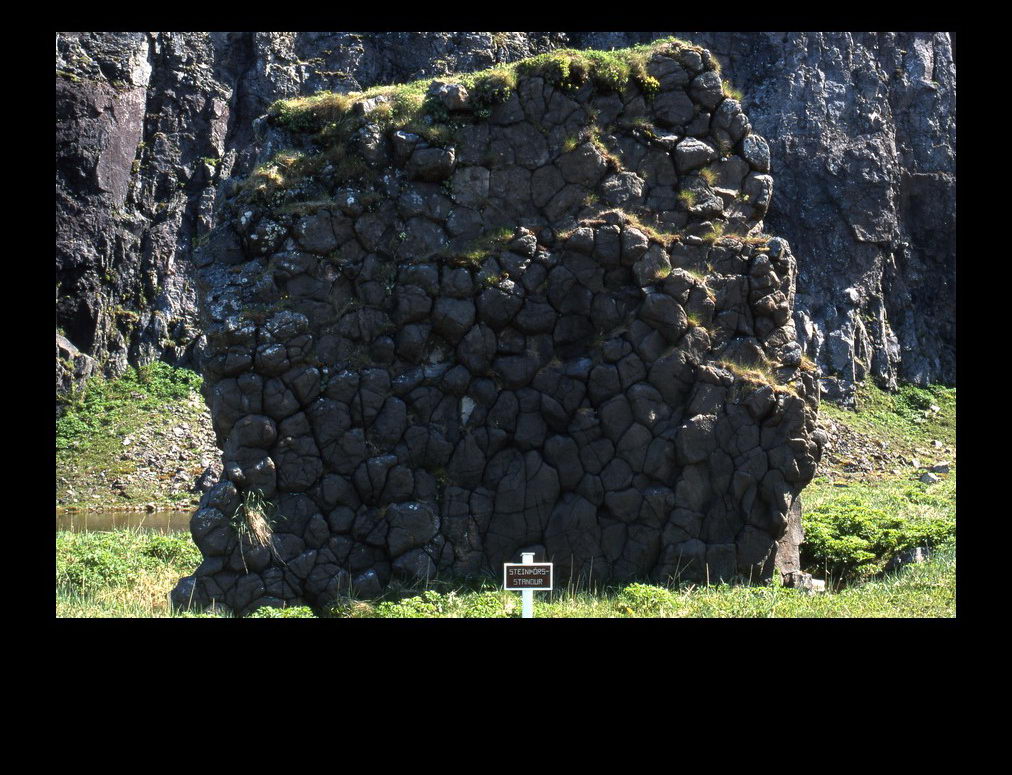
x: 320, y: 125
x: 565, y: 68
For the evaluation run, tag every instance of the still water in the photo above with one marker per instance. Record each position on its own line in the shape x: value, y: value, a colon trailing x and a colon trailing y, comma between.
x: 156, y: 521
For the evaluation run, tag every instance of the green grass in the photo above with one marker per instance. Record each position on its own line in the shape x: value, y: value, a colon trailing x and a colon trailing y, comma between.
x: 731, y: 92
x: 709, y: 174
x: 480, y: 248
x: 852, y: 526
x: 905, y: 497
x: 96, y: 418
x: 121, y: 574
x: 325, y: 122
x: 407, y: 102
x: 902, y: 419
x: 926, y: 590
x: 97, y: 410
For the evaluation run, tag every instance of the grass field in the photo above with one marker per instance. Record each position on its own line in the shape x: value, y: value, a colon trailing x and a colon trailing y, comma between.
x: 129, y: 574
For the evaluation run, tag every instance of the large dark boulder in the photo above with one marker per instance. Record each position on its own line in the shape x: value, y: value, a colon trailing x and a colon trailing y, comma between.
x: 588, y: 380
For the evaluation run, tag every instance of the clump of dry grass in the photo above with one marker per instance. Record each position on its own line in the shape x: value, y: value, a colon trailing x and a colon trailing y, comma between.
x: 709, y: 175
x: 665, y: 238
x: 761, y: 374
x: 253, y: 520
x: 715, y: 233
x: 731, y: 92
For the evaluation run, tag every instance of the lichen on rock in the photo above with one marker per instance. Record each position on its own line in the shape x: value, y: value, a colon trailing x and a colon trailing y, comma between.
x: 527, y: 309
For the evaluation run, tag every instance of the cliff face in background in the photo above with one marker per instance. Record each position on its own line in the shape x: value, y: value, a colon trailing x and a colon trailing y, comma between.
x: 861, y: 127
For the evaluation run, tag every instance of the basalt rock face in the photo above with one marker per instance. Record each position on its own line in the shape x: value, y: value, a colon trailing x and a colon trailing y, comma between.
x: 862, y: 133
x: 520, y: 338
x: 151, y: 125
x: 861, y: 128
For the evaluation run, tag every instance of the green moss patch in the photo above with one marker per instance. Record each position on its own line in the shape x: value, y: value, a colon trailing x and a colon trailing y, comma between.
x: 321, y: 125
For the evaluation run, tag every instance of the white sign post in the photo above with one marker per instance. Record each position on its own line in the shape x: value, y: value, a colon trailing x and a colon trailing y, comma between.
x: 527, y: 577
x: 527, y: 596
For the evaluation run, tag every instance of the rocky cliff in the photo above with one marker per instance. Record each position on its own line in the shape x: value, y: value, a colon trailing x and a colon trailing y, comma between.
x: 152, y: 127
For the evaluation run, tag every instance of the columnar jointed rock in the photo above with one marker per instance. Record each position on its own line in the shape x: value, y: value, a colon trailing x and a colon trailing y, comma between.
x: 862, y: 131
x: 560, y: 328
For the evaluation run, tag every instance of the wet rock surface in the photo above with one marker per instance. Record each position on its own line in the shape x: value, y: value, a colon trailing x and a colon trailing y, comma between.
x: 611, y: 379
x: 859, y: 128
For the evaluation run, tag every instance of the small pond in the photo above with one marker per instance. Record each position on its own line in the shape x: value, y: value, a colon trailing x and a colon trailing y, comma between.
x: 155, y: 521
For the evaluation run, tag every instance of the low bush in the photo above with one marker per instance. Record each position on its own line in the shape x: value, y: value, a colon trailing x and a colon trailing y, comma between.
x: 292, y: 612
x: 423, y: 606
x: 646, y: 600
x: 850, y: 540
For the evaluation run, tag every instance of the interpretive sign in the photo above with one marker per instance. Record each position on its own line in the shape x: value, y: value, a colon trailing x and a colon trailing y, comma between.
x: 519, y: 577
x: 527, y: 577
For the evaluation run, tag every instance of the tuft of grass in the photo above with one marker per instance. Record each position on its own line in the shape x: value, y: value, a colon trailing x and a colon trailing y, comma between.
x: 254, y: 519
x: 757, y: 374
x: 709, y: 175
x: 715, y: 233
x: 613, y: 161
x: 482, y: 247
x: 687, y: 198
x: 665, y: 238
x: 698, y: 276
x: 731, y: 92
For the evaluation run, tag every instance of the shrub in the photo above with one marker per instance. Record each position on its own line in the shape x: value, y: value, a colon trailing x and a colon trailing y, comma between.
x: 176, y: 549
x: 850, y: 540
x: 423, y: 606
x: 292, y: 612
x: 485, y: 605
x: 646, y: 600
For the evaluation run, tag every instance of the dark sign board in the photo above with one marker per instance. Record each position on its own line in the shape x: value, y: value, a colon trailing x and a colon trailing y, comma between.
x: 517, y: 578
